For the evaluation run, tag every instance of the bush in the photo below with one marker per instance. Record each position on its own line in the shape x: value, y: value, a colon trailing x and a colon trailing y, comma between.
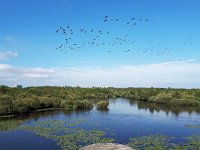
x: 6, y: 105
x: 175, y: 98
x: 84, y: 104
x: 102, y: 104
x: 67, y: 104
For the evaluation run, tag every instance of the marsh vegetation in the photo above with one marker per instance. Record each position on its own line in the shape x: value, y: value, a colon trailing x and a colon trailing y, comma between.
x: 25, y: 100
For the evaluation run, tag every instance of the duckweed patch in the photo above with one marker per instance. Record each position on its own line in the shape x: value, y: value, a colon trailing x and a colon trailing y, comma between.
x: 66, y: 137
x: 193, y: 142
x: 152, y: 142
x: 163, y: 142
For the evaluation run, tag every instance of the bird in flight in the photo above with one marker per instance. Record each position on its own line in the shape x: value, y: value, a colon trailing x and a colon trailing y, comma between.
x: 127, y: 51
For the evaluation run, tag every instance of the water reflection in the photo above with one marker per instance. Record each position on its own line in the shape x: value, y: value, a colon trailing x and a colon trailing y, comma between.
x: 168, y: 109
x: 120, y: 106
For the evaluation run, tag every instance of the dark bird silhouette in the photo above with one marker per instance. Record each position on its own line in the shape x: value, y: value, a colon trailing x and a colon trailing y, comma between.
x: 127, y: 51
x: 57, y: 31
x: 61, y: 46
x: 105, y: 17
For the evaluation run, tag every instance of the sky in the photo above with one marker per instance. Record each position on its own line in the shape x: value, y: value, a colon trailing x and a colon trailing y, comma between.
x: 162, y: 49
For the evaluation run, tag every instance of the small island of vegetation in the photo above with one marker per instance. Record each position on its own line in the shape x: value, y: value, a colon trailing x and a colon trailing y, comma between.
x: 102, y: 105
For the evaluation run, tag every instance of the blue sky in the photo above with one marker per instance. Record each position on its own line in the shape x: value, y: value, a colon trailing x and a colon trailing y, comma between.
x: 28, y: 42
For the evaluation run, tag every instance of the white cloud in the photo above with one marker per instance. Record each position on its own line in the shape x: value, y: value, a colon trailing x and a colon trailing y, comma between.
x: 184, y: 74
x: 7, y: 54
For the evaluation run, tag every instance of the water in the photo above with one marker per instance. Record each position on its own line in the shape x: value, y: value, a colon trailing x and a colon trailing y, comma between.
x: 123, y: 120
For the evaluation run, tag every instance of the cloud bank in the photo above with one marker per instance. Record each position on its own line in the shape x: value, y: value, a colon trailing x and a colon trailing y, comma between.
x: 7, y: 54
x: 180, y: 74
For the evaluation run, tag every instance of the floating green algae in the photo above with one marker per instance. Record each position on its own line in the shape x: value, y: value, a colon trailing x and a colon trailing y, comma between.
x: 163, y: 142
x: 66, y: 137
x: 151, y: 142
x: 193, y: 143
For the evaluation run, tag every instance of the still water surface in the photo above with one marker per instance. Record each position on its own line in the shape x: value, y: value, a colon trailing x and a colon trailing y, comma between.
x: 123, y: 120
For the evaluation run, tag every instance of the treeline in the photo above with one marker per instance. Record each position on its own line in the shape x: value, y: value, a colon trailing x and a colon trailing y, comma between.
x: 25, y: 100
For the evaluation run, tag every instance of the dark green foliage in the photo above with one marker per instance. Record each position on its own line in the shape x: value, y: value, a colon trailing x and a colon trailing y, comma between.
x: 25, y: 100
x: 102, y: 105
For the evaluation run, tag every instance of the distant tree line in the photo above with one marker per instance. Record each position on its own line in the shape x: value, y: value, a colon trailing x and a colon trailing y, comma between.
x: 25, y: 100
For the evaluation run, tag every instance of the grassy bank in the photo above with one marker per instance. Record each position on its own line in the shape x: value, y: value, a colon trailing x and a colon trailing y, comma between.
x: 25, y: 100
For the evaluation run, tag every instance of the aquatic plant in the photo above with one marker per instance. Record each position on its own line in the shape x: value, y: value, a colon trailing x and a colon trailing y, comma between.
x: 66, y: 137
x: 193, y: 142
x: 152, y: 142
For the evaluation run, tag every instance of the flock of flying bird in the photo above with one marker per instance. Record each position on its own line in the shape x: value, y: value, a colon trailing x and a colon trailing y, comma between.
x: 97, y: 38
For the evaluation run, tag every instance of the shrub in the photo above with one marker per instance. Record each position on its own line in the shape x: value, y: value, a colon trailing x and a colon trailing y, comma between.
x: 84, y: 104
x: 67, y: 104
x: 102, y: 104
